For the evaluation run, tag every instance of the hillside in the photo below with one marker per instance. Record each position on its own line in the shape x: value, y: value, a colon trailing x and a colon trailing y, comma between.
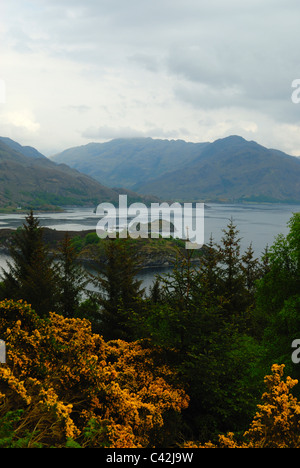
x: 126, y: 162
x: 231, y: 169
x: 37, y: 182
x: 25, y: 150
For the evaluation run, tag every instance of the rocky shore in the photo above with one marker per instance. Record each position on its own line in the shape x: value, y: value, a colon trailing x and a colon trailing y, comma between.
x: 151, y: 254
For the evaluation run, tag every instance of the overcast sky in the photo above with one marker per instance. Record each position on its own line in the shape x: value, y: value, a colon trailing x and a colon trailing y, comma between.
x: 81, y: 71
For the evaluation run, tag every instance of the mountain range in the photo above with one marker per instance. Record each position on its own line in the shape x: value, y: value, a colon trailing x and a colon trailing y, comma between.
x: 30, y: 180
x: 130, y: 162
x: 231, y: 169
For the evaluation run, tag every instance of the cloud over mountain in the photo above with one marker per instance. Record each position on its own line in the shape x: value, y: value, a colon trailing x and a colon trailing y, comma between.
x: 183, y: 68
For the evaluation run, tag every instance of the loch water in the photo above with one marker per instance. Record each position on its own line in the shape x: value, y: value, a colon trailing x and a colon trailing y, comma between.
x: 258, y: 224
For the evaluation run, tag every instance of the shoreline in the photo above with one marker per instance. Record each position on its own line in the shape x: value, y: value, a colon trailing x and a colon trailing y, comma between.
x: 152, y: 255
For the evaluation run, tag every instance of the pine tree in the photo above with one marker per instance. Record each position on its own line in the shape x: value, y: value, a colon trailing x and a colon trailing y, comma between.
x: 209, y: 273
x: 230, y: 273
x: 155, y: 293
x: 72, y: 279
x: 31, y: 274
x: 251, y: 270
x: 230, y: 259
x: 119, y: 291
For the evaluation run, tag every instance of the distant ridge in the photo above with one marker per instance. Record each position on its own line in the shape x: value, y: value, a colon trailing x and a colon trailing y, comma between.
x: 25, y: 150
x: 126, y: 162
x: 30, y: 181
x: 229, y: 169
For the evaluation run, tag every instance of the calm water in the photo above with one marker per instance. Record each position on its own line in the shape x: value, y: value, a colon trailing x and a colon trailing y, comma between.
x: 259, y: 224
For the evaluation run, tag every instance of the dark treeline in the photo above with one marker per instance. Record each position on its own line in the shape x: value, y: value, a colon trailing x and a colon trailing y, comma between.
x: 219, y: 324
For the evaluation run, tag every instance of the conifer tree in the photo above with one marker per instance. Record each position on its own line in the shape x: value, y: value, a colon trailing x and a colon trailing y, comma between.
x: 231, y: 278
x: 31, y: 274
x: 230, y: 259
x: 72, y: 279
x: 155, y: 292
x: 251, y: 270
x: 209, y: 272
x: 119, y: 291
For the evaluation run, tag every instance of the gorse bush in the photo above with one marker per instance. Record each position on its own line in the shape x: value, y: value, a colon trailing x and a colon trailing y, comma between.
x: 63, y: 383
x: 276, y: 423
x: 63, y: 386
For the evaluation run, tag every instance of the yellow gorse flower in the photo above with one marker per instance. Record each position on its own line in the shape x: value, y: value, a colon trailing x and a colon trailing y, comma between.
x: 69, y: 383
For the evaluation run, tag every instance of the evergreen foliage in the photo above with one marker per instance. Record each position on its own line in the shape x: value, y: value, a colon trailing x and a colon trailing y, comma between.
x: 119, y: 292
x: 72, y: 279
x: 31, y: 275
x: 124, y: 369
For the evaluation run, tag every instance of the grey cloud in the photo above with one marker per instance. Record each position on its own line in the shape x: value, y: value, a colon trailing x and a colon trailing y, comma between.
x: 21, y: 42
x: 108, y: 133
x: 254, y: 72
x: 206, y: 55
x: 201, y: 64
x: 149, y: 62
x: 213, y: 38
